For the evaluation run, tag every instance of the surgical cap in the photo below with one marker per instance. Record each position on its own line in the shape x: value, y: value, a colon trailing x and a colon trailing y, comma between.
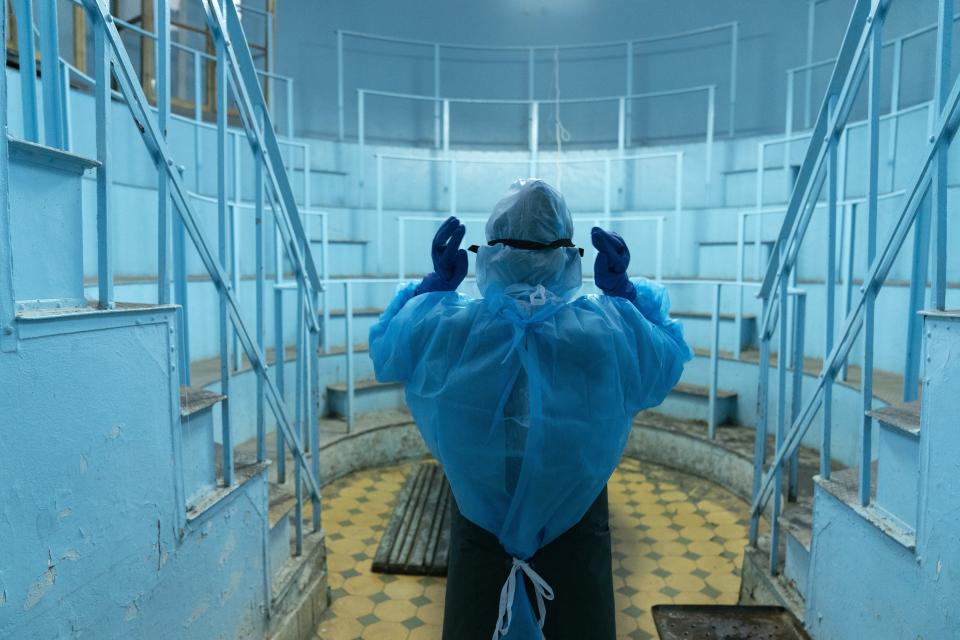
x: 533, y: 211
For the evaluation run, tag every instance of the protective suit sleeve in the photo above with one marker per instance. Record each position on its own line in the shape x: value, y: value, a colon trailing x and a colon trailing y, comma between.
x: 660, y: 349
x: 390, y: 352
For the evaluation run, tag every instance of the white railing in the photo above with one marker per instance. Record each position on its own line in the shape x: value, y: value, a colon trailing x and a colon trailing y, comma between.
x: 529, y: 53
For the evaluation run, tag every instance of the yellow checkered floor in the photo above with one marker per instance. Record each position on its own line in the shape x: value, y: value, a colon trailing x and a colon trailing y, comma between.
x: 676, y: 539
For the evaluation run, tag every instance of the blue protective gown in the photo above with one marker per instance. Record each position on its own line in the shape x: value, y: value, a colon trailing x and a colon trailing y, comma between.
x: 526, y: 398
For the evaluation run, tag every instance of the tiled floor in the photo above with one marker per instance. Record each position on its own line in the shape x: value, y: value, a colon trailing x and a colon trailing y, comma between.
x: 677, y: 538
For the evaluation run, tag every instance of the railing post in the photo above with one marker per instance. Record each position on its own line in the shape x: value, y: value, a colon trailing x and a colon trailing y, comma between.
x: 760, y: 435
x: 50, y: 73
x: 340, y: 85
x: 313, y: 419
x: 297, y: 423
x: 401, y: 262
x: 361, y: 140
x: 621, y: 123
x: 894, y: 108
x: 436, y: 95
x: 103, y: 61
x: 446, y: 126
x: 738, y: 330
x: 808, y: 79
x: 606, y: 191
x: 851, y: 234
x: 678, y: 201
x: 163, y: 180
x: 28, y: 65
x: 260, y: 283
x: 531, y: 78
x: 67, y: 123
x: 8, y: 329
x: 734, y: 56
x: 235, y: 230
x: 659, y: 268
x: 758, y: 240
x: 781, y: 418
x: 348, y: 309
x: 628, y: 88
x: 830, y: 291
x: 326, y: 276
x: 534, y: 137
x: 222, y: 95
x: 711, y: 118
x: 918, y: 286
x: 453, y: 187
x: 873, y: 174
x: 714, y: 360
x: 788, y: 123
x: 279, y: 355
x: 290, y: 111
x: 799, y: 321
x: 938, y: 186
x: 380, y: 214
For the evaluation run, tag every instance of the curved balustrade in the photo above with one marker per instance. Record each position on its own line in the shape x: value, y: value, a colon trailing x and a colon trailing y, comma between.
x: 528, y: 54
x: 442, y: 121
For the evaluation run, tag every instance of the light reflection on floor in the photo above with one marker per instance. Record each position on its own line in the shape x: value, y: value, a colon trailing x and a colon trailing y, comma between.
x: 677, y: 538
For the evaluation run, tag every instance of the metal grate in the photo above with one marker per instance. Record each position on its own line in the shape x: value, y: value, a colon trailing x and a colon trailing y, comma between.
x: 726, y: 622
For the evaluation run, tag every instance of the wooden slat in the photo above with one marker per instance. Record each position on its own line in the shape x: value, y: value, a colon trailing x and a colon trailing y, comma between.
x: 417, y: 538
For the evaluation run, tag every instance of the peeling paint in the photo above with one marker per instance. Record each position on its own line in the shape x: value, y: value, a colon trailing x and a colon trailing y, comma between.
x: 83, y: 465
x: 70, y: 554
x: 116, y: 432
x: 40, y: 588
x: 65, y: 513
x: 133, y: 611
x: 3, y: 597
x: 235, y: 579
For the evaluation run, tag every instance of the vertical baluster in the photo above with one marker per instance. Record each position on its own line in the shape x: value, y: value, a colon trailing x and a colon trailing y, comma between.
x: 65, y: 108
x: 339, y: 85
x: 222, y: 205
x: 830, y: 282
x: 758, y: 240
x: 788, y: 123
x: 628, y: 88
x: 711, y: 124
x: 534, y: 137
x: 938, y: 187
x: 738, y: 329
x: 325, y: 264
x: 714, y: 353
x: 781, y: 419
x: 278, y: 364
x: 894, y: 108
x: 760, y: 435
x: 621, y: 124
x: 799, y: 320
x: 918, y: 287
x: 873, y: 172
x: 348, y: 318
x: 236, y: 233
x: 313, y: 416
x: 436, y: 96
x: 401, y: 261
x: 27, y: 56
x: 850, y: 238
x: 298, y: 417
x: 659, y: 268
x: 734, y: 58
x: 162, y: 59
x: 50, y: 73
x: 607, y: 186
x: 102, y: 62
x: 453, y: 186
x: 8, y: 337
x: 446, y: 126
x: 260, y: 284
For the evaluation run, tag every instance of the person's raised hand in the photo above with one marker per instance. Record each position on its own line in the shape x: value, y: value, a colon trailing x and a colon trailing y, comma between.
x: 610, y: 268
x: 449, y: 260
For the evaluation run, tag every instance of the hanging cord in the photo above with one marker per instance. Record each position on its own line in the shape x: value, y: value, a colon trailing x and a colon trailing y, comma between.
x: 561, y: 134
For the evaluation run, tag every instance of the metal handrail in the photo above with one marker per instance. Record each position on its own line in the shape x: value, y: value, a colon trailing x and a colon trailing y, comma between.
x: 271, y: 183
x: 861, y: 48
x: 531, y: 51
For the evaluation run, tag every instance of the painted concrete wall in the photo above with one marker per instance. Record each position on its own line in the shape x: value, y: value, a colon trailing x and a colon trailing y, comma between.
x: 93, y: 519
x: 773, y: 39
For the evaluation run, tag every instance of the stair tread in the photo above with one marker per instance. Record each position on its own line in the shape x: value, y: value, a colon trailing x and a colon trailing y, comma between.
x: 358, y: 311
x: 356, y: 241
x: 360, y: 347
x: 194, y: 399
x: 362, y: 385
x: 701, y: 390
x: 707, y: 315
x: 281, y: 499
x: 730, y: 243
x: 904, y: 416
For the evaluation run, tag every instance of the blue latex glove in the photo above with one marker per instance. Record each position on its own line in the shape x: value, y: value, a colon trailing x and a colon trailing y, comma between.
x: 449, y: 260
x: 610, y: 269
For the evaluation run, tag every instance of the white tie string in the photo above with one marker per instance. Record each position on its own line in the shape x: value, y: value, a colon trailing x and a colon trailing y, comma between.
x: 507, y: 593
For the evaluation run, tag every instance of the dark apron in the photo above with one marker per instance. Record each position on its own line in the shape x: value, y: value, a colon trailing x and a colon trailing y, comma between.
x: 577, y: 565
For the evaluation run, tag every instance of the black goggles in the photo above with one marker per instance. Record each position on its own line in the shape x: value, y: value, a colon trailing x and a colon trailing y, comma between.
x: 531, y: 245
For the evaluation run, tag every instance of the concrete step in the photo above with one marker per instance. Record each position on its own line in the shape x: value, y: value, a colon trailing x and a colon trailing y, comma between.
x: 898, y: 456
x: 686, y: 401
x: 698, y: 329
x: 740, y: 186
x: 842, y: 487
x: 691, y: 402
x: 797, y: 523
x: 197, y: 442
x: 363, y: 319
x: 281, y: 501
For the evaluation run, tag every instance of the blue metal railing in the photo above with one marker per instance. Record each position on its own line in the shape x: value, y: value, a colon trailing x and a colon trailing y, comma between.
x: 859, y: 57
x: 177, y: 218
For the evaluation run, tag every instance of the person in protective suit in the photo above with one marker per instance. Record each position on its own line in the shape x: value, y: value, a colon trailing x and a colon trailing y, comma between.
x: 526, y: 396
